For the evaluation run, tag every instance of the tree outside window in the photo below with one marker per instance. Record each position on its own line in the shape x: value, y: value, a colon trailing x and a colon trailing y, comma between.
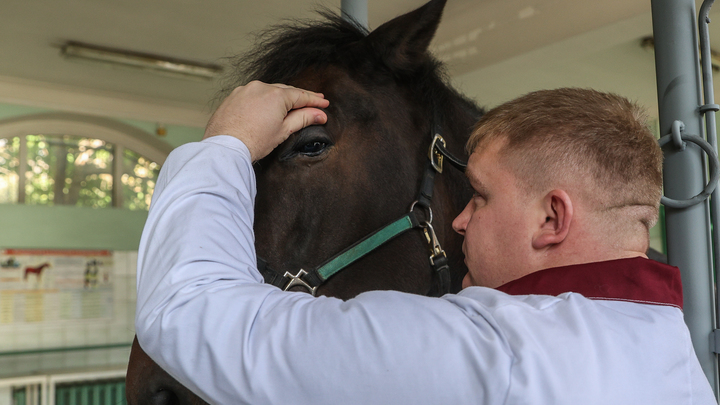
x: 9, y: 162
x: 138, y: 180
x: 73, y: 170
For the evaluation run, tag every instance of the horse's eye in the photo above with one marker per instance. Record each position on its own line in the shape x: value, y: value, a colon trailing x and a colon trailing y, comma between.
x: 312, y: 148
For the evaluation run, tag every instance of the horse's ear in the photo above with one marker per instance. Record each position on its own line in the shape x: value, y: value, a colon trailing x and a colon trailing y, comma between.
x: 403, y: 41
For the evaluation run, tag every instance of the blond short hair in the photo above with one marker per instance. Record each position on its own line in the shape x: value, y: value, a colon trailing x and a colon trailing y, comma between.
x: 599, y: 139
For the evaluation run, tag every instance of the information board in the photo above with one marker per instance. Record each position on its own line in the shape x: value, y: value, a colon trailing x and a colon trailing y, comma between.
x: 41, y: 285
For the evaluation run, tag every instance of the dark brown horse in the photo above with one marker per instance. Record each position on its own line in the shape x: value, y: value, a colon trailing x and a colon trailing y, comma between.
x: 329, y: 186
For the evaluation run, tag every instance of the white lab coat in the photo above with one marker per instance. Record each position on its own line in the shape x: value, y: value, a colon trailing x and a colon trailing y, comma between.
x: 204, y: 315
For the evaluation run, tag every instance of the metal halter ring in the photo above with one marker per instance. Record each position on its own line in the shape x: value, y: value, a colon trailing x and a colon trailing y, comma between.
x: 429, y: 211
x: 713, y: 162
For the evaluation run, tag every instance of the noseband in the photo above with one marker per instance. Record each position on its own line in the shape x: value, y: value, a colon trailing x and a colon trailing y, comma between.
x: 420, y: 219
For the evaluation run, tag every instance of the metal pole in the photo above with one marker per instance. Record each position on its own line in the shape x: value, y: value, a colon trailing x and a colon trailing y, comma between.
x: 357, y: 10
x: 688, y: 229
x: 711, y: 129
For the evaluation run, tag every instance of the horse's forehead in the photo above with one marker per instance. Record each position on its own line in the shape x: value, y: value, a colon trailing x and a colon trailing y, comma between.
x: 332, y: 78
x: 368, y: 99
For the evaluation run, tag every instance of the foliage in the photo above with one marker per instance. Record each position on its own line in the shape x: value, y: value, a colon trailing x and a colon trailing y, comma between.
x: 72, y: 170
x: 138, y: 180
x: 68, y: 170
x: 9, y: 162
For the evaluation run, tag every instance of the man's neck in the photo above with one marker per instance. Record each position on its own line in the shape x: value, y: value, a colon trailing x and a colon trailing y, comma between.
x: 579, y: 250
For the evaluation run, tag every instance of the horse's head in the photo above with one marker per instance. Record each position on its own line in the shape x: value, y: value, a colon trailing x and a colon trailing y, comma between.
x: 328, y: 186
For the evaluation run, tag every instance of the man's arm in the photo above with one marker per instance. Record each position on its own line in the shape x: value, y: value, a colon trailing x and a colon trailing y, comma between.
x: 206, y: 318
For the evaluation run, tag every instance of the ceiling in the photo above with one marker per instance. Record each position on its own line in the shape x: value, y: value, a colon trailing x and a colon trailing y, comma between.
x: 495, y: 49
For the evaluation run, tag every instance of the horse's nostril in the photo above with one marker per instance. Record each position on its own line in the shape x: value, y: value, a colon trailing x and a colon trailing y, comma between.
x: 170, y: 394
x: 164, y: 397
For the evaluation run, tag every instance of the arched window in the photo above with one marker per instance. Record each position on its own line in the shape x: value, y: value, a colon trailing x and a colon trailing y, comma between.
x: 73, y: 159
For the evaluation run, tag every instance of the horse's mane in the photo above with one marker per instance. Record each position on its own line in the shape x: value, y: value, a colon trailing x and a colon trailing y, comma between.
x: 284, y: 51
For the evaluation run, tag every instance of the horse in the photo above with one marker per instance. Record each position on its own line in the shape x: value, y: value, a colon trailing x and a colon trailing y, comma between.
x: 37, y: 270
x: 374, y: 163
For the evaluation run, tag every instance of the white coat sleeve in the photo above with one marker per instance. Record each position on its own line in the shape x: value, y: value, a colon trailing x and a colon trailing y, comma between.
x: 204, y: 315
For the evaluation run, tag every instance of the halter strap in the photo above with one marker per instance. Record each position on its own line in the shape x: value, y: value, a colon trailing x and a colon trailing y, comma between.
x: 312, y: 279
x: 368, y: 244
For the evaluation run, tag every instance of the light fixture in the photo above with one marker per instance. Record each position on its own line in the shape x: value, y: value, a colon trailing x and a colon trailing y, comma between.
x: 154, y: 63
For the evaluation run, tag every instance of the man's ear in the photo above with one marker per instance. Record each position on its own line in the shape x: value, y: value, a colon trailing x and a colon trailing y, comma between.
x: 558, y: 210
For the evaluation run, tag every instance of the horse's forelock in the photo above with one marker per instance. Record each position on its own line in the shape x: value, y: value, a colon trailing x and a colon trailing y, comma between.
x: 283, y: 51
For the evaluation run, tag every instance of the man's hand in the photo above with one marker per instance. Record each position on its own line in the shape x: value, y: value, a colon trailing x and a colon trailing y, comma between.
x: 264, y: 115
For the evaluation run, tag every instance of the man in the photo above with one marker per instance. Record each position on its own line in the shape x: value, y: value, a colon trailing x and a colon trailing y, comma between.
x: 560, y: 305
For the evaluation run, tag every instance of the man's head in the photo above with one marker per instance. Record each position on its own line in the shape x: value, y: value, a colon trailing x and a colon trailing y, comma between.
x: 585, y: 176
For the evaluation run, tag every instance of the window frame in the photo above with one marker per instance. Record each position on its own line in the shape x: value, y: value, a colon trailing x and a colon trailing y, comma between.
x: 121, y: 135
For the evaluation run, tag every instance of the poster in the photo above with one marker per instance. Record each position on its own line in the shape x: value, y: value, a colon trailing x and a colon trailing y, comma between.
x: 41, y: 285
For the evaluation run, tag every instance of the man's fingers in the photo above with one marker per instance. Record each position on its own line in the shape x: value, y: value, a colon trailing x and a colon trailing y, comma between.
x: 298, y: 98
x: 287, y: 86
x: 301, y: 118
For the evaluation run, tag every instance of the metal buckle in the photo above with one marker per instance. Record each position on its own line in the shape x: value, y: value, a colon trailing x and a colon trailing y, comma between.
x: 436, y: 158
x: 435, y: 249
x: 295, y: 280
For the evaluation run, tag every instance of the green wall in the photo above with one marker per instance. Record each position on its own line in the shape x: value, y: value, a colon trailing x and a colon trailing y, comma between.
x: 69, y: 227
x: 176, y: 134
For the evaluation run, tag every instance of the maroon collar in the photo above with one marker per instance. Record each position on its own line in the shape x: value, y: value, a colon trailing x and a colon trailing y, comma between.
x: 637, y: 279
